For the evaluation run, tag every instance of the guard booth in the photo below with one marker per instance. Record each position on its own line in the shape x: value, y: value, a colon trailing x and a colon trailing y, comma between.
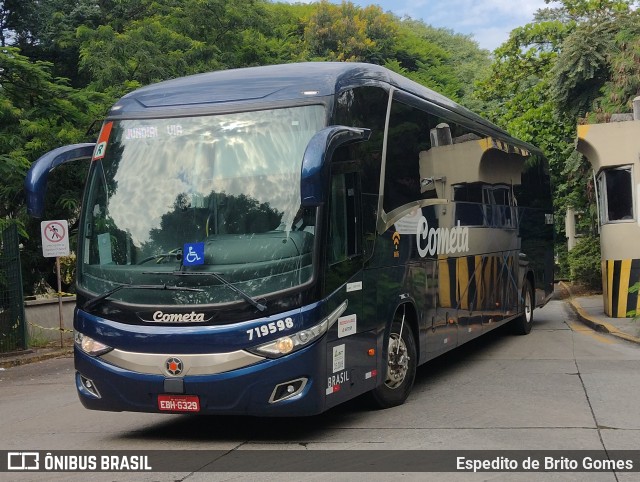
x: 613, y: 149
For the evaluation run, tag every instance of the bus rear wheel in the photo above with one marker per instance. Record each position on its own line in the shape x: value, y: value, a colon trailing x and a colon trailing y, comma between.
x: 522, y: 324
x: 400, y: 367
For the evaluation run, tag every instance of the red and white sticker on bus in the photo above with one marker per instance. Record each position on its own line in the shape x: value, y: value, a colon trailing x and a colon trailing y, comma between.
x: 101, y: 145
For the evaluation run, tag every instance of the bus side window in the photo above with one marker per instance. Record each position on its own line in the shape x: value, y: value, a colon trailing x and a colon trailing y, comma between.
x: 344, y: 236
x: 468, y: 204
x: 408, y: 137
x: 343, y: 218
x: 498, y: 205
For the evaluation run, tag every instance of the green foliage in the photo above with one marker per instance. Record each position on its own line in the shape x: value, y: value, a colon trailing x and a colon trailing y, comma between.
x: 39, y: 113
x: 437, y: 58
x: 147, y: 52
x: 463, y: 61
x: 597, y: 71
x: 624, y: 82
x: 587, y: 10
x: 349, y: 33
x: 582, y: 67
x: 68, y: 272
x: 584, y: 263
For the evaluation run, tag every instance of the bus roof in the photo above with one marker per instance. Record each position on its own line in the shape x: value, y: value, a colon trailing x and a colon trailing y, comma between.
x: 223, y: 90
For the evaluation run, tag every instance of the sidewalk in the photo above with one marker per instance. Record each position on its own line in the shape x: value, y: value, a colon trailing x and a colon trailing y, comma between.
x: 590, y: 310
x: 32, y: 355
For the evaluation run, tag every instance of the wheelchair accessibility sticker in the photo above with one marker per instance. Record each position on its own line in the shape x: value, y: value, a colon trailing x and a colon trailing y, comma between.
x: 193, y: 254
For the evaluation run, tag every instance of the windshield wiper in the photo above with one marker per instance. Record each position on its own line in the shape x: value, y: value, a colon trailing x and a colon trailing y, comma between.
x: 97, y: 299
x: 256, y: 304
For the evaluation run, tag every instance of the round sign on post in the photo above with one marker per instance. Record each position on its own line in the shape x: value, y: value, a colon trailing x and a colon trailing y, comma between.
x: 55, y: 243
x: 55, y: 238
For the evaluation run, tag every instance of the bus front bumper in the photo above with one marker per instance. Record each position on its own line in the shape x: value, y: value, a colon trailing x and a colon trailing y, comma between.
x: 292, y: 385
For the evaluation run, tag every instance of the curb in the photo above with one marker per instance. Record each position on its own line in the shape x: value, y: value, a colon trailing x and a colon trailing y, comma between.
x: 26, y: 358
x: 594, y: 323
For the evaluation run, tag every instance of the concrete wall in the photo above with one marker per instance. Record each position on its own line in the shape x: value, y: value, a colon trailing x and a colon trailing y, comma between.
x: 43, y: 319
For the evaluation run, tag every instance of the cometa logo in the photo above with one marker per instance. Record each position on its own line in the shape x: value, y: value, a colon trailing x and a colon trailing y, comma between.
x: 192, y: 317
x: 173, y: 366
x: 432, y: 241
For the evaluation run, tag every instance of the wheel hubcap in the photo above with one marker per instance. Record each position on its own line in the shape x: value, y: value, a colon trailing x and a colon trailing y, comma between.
x: 527, y: 306
x: 398, y: 362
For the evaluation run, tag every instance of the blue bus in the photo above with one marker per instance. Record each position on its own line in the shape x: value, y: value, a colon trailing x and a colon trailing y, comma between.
x: 276, y: 240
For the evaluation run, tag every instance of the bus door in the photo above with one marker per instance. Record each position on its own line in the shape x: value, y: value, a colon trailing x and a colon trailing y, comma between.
x: 349, y: 365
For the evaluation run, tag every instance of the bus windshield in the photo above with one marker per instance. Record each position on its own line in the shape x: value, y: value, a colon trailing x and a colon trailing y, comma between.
x: 217, y: 197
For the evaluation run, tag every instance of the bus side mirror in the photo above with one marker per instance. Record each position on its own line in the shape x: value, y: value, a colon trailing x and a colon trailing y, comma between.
x: 319, y: 150
x: 35, y: 184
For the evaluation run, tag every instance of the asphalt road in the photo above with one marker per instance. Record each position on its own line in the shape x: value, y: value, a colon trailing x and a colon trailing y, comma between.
x: 563, y: 387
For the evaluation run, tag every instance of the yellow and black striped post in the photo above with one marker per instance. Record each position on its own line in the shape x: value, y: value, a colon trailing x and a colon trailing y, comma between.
x: 618, y: 275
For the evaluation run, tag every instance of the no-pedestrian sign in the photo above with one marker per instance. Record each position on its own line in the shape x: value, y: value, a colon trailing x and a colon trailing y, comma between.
x: 55, y: 238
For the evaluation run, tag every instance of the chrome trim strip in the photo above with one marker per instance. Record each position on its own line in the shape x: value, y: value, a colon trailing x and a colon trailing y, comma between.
x: 93, y: 390
x: 386, y: 220
x: 193, y: 364
x: 333, y: 317
x: 273, y: 394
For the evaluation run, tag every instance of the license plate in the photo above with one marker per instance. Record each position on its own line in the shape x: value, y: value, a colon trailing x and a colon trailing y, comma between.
x: 178, y: 403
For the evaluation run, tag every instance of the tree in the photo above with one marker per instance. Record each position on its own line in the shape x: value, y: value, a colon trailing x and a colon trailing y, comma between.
x: 517, y: 90
x: 144, y: 53
x: 349, y: 33
x: 45, y: 30
x: 38, y: 112
x: 440, y: 59
x: 603, y: 30
x: 623, y: 83
x: 437, y: 58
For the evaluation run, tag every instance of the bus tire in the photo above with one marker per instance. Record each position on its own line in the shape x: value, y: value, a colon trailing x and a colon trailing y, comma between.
x: 522, y: 324
x: 400, y: 368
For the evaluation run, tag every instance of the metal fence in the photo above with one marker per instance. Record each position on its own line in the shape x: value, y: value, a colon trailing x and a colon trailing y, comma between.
x: 13, y: 328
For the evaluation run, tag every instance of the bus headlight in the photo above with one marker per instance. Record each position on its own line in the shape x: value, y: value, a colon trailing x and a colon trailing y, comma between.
x: 290, y: 343
x: 89, y: 345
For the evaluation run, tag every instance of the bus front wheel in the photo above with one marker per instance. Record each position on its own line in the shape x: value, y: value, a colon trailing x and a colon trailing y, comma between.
x: 400, y: 367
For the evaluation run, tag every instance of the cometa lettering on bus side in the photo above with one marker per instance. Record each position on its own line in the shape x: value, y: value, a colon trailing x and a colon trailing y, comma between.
x: 441, y: 240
